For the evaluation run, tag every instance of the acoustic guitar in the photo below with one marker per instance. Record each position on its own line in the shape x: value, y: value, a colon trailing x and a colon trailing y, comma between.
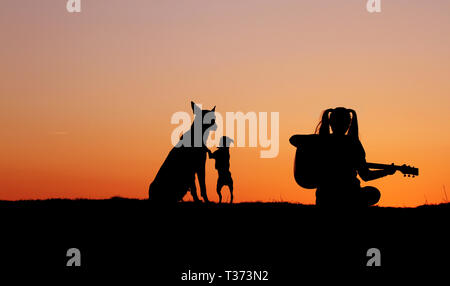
x: 308, y: 164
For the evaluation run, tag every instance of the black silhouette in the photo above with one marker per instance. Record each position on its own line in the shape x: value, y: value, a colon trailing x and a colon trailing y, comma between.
x: 222, y: 157
x: 331, y: 162
x: 169, y: 241
x: 177, y: 174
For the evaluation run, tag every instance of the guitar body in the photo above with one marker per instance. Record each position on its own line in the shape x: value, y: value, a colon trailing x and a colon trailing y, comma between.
x: 305, y: 173
x: 310, y: 159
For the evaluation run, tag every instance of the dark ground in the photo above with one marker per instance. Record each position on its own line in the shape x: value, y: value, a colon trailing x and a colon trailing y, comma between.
x: 131, y: 238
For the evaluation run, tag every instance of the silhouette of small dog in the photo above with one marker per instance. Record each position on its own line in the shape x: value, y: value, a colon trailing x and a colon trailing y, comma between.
x: 222, y: 157
x: 177, y: 174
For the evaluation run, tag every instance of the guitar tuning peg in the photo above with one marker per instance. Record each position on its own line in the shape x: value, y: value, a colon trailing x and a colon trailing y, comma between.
x: 409, y: 175
x: 404, y: 175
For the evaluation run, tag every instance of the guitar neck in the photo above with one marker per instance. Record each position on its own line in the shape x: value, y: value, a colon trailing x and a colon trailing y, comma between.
x: 381, y: 166
x: 406, y: 170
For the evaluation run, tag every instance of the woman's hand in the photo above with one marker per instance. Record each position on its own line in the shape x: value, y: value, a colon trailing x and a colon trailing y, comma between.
x: 391, y: 170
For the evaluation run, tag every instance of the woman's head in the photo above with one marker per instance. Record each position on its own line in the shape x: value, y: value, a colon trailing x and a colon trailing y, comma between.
x: 341, y: 121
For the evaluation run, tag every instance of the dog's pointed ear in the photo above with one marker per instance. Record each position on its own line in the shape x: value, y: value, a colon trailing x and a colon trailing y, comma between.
x: 195, y: 108
x: 214, y: 108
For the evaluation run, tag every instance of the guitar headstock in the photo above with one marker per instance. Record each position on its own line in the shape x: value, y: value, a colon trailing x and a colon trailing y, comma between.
x: 408, y: 170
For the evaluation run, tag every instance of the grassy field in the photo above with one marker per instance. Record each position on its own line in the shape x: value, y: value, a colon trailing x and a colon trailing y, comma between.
x: 292, y: 241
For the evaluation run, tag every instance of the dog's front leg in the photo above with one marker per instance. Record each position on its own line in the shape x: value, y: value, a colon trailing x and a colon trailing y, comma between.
x: 193, y: 189
x: 201, y: 182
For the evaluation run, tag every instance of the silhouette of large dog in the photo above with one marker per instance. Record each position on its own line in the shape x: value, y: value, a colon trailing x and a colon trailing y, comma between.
x: 177, y: 174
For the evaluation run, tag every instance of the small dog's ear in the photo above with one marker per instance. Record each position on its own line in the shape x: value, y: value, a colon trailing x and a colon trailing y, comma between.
x: 195, y: 108
x: 214, y: 108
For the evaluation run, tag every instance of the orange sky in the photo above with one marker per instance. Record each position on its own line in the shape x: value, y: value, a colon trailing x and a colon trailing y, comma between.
x: 86, y: 99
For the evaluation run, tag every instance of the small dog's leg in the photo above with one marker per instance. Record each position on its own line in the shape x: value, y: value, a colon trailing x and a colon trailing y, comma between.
x: 231, y: 193
x: 218, y: 189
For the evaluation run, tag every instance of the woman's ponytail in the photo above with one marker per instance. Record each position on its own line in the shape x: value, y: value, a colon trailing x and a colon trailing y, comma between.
x: 353, y: 129
x: 323, y: 128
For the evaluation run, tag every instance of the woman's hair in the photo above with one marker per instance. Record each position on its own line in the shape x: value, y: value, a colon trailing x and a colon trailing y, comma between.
x: 353, y: 129
x: 323, y: 128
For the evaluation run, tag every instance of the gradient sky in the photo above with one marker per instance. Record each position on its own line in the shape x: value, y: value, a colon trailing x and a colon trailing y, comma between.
x: 86, y: 99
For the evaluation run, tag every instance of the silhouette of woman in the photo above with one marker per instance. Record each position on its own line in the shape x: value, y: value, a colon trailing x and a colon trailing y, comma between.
x: 343, y: 157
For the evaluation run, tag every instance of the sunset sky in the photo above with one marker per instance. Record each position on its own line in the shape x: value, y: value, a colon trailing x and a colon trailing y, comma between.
x: 86, y: 98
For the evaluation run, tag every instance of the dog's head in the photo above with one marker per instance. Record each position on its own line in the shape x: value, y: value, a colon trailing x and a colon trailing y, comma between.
x: 206, y: 117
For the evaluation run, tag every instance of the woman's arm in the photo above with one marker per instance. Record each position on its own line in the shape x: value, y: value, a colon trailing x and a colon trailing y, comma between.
x: 368, y: 175
x: 364, y: 172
